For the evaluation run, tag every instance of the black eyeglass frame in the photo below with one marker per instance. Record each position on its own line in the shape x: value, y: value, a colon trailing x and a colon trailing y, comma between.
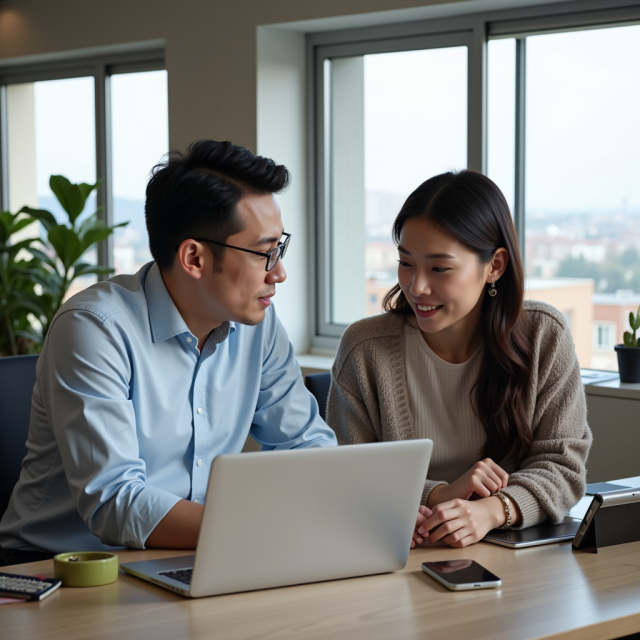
x: 281, y: 249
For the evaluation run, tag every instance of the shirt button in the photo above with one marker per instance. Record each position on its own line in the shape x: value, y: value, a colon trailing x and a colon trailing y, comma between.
x: 199, y: 409
x: 188, y: 339
x: 199, y: 463
x: 196, y: 500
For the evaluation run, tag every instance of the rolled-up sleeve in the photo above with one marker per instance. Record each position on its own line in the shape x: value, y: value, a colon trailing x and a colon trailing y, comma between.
x: 85, y: 385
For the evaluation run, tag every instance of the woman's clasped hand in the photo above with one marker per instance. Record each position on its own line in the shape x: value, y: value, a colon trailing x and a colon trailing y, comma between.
x: 464, y: 511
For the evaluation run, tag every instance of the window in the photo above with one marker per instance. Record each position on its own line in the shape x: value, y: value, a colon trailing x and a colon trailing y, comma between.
x: 543, y: 100
x: 102, y: 118
x: 51, y: 130
x: 140, y: 137
x: 392, y: 118
x: 604, y: 335
x: 580, y: 202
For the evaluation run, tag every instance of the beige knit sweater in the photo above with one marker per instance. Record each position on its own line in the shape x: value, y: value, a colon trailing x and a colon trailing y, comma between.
x: 368, y: 402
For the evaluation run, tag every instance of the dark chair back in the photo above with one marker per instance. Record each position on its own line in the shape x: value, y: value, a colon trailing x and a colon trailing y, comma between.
x: 17, y: 377
x: 318, y: 384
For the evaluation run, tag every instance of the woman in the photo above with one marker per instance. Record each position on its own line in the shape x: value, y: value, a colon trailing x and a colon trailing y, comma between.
x: 461, y: 359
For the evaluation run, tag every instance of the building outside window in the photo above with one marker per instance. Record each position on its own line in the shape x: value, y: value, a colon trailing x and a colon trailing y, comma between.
x: 582, y: 195
x: 561, y: 135
x: 604, y: 335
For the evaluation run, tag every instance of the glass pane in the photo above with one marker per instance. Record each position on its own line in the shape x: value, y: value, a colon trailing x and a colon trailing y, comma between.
x: 501, y: 121
x: 396, y: 120
x: 582, y: 185
x: 51, y: 130
x: 140, y: 137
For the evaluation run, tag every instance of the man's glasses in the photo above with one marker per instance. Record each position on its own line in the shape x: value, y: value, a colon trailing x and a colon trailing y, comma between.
x: 272, y: 256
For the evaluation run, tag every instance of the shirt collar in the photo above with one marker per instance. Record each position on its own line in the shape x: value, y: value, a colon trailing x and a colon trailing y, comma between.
x: 164, y: 317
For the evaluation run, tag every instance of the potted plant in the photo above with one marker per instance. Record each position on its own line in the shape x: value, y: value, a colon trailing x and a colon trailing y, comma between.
x: 629, y: 352
x: 18, y: 297
x: 35, y: 274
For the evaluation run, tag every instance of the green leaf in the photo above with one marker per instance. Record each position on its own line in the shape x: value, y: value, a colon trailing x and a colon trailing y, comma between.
x: 84, y: 269
x: 89, y: 223
x: 627, y: 339
x: 33, y: 303
x: 50, y: 282
x: 46, y: 217
x: 42, y: 257
x: 14, y: 249
x: 72, y: 197
x: 30, y: 335
x: 66, y: 244
x: 95, y: 235
x: 21, y: 224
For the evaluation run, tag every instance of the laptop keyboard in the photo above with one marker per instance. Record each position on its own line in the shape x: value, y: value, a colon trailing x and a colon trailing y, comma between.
x: 183, y: 575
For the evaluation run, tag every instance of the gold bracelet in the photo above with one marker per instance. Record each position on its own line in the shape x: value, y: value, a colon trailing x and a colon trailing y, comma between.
x: 507, y: 509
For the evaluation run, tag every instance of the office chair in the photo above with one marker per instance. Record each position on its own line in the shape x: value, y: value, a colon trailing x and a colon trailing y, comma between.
x: 17, y: 377
x: 318, y: 384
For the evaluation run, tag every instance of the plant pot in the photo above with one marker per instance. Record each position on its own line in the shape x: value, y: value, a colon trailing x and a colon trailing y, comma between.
x: 628, y: 363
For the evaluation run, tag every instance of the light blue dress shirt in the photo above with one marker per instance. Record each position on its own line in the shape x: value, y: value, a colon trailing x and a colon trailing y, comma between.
x: 127, y: 415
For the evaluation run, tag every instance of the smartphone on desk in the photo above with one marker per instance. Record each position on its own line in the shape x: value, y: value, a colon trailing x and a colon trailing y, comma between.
x: 461, y: 575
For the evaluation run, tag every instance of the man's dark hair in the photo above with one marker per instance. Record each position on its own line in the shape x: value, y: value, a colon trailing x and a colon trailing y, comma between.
x: 195, y: 194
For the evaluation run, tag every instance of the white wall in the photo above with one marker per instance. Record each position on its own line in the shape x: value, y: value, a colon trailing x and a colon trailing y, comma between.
x: 281, y: 130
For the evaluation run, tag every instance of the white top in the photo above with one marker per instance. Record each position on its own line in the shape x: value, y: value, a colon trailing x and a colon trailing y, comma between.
x: 440, y: 403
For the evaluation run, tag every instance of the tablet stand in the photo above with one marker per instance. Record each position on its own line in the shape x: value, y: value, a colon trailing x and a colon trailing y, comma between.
x: 615, y: 524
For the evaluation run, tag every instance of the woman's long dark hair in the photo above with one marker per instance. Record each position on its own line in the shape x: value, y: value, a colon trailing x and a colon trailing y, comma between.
x: 470, y: 207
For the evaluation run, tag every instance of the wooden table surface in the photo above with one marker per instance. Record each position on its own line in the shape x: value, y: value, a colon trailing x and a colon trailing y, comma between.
x: 547, y: 591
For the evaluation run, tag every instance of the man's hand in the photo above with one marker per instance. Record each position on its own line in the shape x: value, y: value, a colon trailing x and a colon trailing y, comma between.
x: 483, y: 479
x: 459, y: 523
x: 419, y: 538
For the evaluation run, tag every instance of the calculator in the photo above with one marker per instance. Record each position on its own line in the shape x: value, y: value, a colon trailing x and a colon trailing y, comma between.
x: 26, y: 587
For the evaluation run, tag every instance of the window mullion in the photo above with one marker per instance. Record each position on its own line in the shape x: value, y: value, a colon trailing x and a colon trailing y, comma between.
x: 477, y: 100
x: 4, y: 151
x: 520, y: 140
x: 103, y: 159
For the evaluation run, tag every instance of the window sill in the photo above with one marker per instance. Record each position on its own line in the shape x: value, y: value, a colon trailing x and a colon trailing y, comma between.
x: 310, y: 363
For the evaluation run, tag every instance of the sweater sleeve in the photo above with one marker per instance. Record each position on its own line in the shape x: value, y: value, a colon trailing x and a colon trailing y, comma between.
x: 552, y: 478
x: 347, y: 412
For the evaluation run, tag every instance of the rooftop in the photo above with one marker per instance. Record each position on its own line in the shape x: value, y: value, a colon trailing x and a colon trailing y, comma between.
x: 536, y: 284
x: 622, y: 298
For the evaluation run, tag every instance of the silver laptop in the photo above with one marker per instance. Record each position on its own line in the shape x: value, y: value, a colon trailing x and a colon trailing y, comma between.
x: 279, y: 518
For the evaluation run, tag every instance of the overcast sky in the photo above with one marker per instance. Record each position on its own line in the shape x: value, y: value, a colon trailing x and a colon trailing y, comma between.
x: 65, y: 130
x: 583, y: 129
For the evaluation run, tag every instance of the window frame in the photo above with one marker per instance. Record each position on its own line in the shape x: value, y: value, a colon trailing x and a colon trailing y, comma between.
x: 100, y: 64
x: 604, y: 325
x: 518, y: 23
x: 321, y: 47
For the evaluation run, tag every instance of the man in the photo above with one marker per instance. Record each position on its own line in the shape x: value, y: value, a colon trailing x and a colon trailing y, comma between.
x: 144, y: 379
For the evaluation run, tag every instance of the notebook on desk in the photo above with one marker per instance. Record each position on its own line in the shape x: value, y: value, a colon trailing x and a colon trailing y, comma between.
x: 545, y: 533
x: 280, y: 518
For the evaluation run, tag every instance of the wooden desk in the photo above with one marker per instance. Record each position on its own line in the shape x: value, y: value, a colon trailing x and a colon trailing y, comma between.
x: 547, y: 591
